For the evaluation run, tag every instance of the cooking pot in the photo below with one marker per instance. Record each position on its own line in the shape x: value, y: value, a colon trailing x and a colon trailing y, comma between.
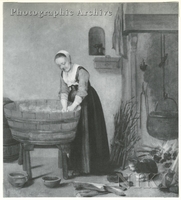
x: 163, y: 124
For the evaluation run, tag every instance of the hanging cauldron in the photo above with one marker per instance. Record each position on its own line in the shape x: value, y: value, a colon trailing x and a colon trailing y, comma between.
x: 163, y: 124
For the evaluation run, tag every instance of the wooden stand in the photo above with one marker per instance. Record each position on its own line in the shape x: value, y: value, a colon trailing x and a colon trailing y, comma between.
x: 25, y: 160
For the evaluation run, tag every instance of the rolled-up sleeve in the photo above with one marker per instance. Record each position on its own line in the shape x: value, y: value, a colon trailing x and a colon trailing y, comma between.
x: 64, y: 90
x: 83, y: 85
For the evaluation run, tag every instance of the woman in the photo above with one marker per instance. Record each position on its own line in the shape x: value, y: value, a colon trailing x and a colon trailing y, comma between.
x: 89, y: 150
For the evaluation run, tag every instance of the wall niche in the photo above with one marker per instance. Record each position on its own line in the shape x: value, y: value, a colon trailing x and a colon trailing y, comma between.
x: 96, y: 41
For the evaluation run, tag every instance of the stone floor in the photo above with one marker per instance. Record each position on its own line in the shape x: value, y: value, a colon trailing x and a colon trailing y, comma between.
x: 42, y: 166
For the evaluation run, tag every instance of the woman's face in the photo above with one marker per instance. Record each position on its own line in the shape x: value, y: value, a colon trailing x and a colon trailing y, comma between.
x: 63, y: 63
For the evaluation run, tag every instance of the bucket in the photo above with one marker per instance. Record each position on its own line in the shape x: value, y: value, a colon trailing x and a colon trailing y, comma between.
x: 10, y: 146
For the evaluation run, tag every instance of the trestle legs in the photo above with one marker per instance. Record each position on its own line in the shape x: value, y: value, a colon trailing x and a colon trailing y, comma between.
x: 24, y: 157
x: 25, y: 160
x: 64, y: 149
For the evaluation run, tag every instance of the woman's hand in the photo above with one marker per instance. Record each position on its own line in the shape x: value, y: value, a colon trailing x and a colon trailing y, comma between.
x: 71, y: 108
x: 64, y: 110
x: 64, y: 105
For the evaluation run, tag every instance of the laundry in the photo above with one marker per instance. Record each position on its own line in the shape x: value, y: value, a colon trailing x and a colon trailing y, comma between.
x: 117, y: 39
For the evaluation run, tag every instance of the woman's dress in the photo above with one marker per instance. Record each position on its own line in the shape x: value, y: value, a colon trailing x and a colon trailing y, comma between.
x: 89, y: 150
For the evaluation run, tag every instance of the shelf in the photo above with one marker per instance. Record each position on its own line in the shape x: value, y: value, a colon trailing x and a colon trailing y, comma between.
x: 107, y: 62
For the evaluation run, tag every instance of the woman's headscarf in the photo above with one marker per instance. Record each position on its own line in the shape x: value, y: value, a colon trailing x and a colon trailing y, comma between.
x: 65, y: 53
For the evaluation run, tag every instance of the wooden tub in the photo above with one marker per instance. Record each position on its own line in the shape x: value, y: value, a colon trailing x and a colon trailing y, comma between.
x: 41, y: 126
x: 41, y: 122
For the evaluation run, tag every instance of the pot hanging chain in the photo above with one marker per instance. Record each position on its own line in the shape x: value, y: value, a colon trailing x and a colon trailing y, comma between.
x: 164, y: 57
x: 162, y: 63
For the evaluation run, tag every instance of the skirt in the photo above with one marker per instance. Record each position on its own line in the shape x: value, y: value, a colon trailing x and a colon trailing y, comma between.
x: 90, y: 150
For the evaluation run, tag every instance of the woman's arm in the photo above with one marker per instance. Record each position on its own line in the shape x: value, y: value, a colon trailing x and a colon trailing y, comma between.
x: 82, y: 89
x: 63, y: 94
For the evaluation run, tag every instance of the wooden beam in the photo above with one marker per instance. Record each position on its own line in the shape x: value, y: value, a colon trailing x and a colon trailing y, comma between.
x: 150, y: 23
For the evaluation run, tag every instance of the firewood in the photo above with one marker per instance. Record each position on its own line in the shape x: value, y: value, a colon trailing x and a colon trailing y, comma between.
x: 90, y: 186
x: 89, y: 193
x: 96, y: 189
x: 115, y: 190
x: 122, y: 187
